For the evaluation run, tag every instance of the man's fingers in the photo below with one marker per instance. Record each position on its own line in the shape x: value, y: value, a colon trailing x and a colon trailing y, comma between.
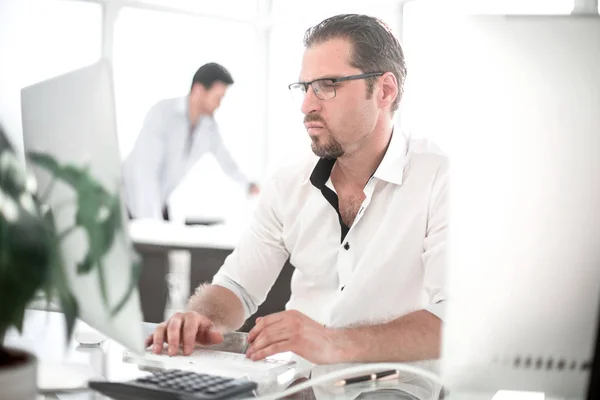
x: 159, y: 338
x: 174, y: 333
x: 255, y: 331
x: 208, y: 334
x: 188, y: 334
x: 268, y: 351
x: 185, y: 330
x: 263, y: 322
x: 215, y: 336
x: 149, y: 340
x: 267, y: 337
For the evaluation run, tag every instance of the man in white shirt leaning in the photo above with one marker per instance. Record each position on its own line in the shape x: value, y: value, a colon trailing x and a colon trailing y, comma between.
x: 364, y: 224
x: 176, y: 133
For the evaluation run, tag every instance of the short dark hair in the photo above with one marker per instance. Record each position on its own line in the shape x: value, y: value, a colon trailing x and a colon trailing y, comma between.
x: 210, y: 73
x: 375, y: 48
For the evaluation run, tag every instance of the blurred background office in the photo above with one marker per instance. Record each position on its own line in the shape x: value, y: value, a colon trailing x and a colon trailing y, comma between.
x: 156, y: 46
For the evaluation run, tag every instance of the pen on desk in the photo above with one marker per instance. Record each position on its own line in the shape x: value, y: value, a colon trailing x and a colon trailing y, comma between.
x: 365, y: 378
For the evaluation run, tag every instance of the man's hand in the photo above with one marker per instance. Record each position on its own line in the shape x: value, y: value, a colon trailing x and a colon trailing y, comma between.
x: 253, y: 189
x: 295, y: 332
x: 185, y: 330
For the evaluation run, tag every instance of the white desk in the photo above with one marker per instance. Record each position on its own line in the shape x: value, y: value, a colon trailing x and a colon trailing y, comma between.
x: 43, y: 335
x: 179, y: 236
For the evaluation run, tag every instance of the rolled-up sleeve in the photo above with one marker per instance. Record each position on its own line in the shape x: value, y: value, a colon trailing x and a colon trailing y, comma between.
x: 434, y: 254
x: 251, y: 270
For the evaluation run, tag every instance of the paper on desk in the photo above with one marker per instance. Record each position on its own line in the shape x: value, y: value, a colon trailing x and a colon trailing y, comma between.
x: 215, y: 362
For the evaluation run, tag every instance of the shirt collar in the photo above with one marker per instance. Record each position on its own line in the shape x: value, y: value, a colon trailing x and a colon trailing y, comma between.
x: 391, y: 168
x: 181, y: 106
x: 321, y: 172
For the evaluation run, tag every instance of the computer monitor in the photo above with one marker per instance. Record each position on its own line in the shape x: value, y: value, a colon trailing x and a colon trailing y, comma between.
x: 70, y: 137
x: 523, y: 98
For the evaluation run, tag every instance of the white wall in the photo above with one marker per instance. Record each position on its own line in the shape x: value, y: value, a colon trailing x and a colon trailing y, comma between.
x: 40, y: 39
x: 424, y: 106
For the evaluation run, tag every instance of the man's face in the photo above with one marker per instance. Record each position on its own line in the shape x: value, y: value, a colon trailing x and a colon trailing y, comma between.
x: 211, y: 98
x: 336, y: 126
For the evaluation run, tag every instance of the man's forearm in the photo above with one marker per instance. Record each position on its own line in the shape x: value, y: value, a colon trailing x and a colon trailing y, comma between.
x: 415, y: 336
x: 220, y: 305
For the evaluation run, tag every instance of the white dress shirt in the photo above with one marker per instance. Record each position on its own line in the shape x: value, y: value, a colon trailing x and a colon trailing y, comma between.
x: 388, y: 263
x: 165, y: 151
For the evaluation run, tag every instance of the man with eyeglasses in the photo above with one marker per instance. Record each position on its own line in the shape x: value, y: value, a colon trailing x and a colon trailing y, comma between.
x: 364, y: 224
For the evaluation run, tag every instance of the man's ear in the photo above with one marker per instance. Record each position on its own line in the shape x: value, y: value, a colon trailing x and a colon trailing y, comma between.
x: 198, y: 89
x: 389, y: 89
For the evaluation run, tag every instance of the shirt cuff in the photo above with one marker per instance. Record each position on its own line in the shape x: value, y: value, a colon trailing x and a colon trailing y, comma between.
x: 250, y: 305
x: 438, y: 309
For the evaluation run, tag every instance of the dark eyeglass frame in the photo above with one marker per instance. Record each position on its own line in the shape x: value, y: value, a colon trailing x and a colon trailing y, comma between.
x: 333, y: 81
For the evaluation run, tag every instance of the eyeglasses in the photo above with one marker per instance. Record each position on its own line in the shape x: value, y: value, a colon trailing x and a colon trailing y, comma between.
x: 324, y: 88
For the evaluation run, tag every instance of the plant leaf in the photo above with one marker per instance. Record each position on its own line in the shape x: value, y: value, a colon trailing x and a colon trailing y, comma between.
x: 60, y: 283
x: 18, y: 317
x: 85, y: 266
x: 69, y: 306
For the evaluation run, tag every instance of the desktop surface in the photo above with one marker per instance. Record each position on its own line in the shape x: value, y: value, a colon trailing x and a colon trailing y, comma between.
x: 43, y: 335
x: 182, y: 236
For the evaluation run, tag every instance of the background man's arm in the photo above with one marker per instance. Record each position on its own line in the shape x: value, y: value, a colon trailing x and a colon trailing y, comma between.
x: 228, y: 164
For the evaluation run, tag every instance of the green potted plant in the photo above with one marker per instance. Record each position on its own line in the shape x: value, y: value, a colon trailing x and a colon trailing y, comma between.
x: 30, y: 253
x: 26, y: 267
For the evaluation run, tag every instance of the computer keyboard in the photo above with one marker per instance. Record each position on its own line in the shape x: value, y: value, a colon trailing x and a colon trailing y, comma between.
x: 177, y: 384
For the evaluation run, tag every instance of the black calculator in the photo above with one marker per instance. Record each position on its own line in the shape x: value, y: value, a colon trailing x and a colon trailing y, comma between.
x: 176, y: 384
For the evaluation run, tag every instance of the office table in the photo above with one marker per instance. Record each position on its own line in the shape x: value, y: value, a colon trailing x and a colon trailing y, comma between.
x: 43, y: 335
x: 208, y: 247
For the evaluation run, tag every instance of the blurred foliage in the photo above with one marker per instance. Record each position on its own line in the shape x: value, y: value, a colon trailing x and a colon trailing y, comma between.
x: 30, y: 245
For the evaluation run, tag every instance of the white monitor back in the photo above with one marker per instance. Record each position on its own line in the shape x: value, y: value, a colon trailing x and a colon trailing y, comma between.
x: 71, y: 118
x: 523, y: 98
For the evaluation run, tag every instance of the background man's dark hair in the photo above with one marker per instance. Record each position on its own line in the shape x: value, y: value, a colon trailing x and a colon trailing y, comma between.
x: 375, y: 48
x: 210, y: 73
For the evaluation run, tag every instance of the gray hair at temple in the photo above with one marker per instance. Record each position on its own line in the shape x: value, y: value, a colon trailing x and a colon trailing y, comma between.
x: 375, y: 48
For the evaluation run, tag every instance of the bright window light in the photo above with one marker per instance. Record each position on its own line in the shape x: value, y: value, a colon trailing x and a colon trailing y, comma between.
x: 236, y: 9
x: 534, y: 7
x: 40, y: 39
x: 425, y: 104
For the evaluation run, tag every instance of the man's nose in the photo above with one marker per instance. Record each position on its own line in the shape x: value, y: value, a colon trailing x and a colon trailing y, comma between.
x: 310, y: 102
